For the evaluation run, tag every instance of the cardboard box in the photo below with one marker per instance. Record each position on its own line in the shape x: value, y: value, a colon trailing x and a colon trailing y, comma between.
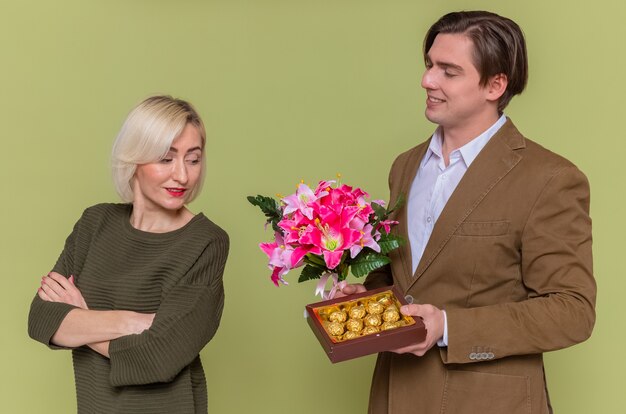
x: 339, y: 349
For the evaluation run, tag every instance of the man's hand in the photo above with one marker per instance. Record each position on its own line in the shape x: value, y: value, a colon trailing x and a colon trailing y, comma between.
x: 433, y: 320
x: 348, y: 289
x: 57, y: 288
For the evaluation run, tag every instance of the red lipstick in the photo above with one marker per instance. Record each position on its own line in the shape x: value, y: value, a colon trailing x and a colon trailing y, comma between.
x: 176, y: 192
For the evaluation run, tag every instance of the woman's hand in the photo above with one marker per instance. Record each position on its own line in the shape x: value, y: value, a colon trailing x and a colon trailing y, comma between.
x: 57, y: 288
x: 136, y: 323
x: 88, y: 327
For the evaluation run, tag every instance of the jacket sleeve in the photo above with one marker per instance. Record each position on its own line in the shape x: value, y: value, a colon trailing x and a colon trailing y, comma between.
x: 185, y: 322
x: 379, y: 278
x: 44, y: 317
x: 556, y: 271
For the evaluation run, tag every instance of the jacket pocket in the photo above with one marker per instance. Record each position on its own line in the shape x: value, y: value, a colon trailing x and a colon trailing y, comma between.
x: 469, y: 392
x: 483, y: 228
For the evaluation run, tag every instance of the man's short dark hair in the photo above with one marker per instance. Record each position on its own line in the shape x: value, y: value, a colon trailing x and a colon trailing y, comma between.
x: 499, y: 47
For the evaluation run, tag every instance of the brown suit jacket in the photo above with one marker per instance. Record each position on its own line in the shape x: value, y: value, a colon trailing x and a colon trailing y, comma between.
x: 510, y: 261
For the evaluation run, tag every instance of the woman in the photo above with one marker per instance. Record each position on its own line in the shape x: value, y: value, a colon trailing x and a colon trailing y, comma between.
x: 137, y: 291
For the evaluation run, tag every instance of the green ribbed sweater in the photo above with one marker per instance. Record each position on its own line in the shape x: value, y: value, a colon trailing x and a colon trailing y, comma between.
x: 178, y: 275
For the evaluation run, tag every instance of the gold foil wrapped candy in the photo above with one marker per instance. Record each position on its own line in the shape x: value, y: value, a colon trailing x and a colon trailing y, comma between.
x: 385, y: 301
x: 365, y: 316
x: 350, y: 335
x: 338, y: 316
x: 335, y: 328
x: 391, y: 314
x: 354, y: 325
x: 368, y: 330
x: 389, y: 325
x: 357, y: 312
x: 372, y: 320
x: 375, y: 308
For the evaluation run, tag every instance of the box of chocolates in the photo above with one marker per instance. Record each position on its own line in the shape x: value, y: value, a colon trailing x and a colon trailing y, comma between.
x: 364, y: 323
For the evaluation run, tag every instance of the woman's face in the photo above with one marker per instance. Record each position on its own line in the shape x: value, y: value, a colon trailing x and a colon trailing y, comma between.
x: 166, y: 185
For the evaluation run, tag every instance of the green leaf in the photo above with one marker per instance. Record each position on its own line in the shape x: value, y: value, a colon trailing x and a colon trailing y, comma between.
x: 315, y: 260
x: 379, y: 210
x: 310, y: 272
x: 389, y: 242
x: 399, y: 203
x: 270, y: 207
x: 367, y: 262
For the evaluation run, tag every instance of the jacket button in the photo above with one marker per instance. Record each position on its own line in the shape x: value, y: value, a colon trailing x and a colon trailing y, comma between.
x: 484, y: 355
x: 490, y: 355
x: 473, y: 355
x: 409, y: 299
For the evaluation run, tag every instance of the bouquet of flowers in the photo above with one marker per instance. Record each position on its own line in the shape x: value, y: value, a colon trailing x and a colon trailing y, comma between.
x: 331, y: 231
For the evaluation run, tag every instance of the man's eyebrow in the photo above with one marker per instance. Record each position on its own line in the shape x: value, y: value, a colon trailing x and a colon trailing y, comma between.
x: 449, y: 65
x: 444, y: 65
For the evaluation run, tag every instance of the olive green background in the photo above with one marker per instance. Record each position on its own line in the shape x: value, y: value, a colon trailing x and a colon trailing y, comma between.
x: 289, y: 90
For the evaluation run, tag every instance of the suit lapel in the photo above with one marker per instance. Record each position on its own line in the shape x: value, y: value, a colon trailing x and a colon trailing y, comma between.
x: 406, y: 177
x: 495, y: 160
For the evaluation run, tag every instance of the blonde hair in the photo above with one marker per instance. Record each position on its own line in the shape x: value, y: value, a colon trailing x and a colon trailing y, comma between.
x: 147, y: 135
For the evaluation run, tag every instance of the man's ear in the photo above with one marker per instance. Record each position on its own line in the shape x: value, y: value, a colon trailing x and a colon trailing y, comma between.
x: 496, y: 86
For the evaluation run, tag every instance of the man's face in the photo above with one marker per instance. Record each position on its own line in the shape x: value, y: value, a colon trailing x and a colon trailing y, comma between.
x: 455, y: 98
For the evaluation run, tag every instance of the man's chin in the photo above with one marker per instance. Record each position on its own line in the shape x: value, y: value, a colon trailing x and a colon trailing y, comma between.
x: 433, y: 117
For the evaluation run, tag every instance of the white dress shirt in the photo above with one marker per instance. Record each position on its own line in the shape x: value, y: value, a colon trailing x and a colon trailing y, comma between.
x: 433, y: 185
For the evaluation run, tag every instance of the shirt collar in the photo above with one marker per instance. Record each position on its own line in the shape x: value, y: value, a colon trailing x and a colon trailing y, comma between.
x: 469, y: 151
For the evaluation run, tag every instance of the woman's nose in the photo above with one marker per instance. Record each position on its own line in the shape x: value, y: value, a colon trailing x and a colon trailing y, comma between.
x: 180, y: 172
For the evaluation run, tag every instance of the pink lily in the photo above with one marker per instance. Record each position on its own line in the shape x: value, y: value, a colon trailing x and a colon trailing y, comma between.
x: 386, y: 224
x: 297, y: 257
x: 332, y: 239
x: 294, y: 226
x: 277, y: 276
x: 323, y: 187
x: 279, y: 255
x: 367, y: 240
x: 300, y: 201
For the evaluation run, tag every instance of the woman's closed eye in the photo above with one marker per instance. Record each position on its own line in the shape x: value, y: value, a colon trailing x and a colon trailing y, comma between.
x: 192, y: 159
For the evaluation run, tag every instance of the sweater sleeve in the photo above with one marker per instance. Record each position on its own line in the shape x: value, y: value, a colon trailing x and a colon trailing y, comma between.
x: 185, y: 322
x: 44, y: 317
x: 556, y: 269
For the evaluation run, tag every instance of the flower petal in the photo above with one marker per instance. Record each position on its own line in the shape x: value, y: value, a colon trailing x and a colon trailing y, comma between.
x: 333, y: 258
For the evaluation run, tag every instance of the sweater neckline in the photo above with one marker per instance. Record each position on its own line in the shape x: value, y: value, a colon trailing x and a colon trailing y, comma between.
x: 135, y: 233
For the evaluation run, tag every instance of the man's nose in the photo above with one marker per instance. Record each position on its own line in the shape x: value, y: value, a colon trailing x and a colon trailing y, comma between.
x: 428, y: 81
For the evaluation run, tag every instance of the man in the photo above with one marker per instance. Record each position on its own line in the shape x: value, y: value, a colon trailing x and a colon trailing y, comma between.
x: 498, y: 263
